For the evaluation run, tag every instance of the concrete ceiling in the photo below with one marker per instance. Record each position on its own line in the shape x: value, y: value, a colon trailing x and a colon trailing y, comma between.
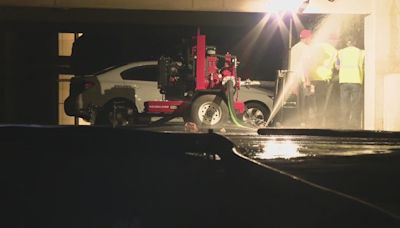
x: 315, y: 6
x: 81, y: 15
x: 91, y: 19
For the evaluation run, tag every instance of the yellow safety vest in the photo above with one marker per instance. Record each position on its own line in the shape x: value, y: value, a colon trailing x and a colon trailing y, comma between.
x: 323, y: 62
x: 351, y: 61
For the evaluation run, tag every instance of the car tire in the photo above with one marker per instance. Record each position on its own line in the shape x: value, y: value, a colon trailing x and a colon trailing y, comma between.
x: 116, y: 113
x: 209, y: 111
x: 255, y: 113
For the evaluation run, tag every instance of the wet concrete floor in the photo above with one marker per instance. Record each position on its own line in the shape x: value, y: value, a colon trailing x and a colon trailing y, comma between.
x: 101, y: 177
x: 363, y: 165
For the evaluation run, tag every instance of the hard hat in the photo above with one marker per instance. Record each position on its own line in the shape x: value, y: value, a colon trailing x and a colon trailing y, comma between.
x: 305, y: 34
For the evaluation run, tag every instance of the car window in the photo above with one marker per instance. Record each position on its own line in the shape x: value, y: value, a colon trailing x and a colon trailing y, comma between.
x: 142, y: 73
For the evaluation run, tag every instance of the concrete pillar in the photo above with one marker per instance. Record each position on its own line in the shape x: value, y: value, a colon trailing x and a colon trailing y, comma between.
x: 370, y: 101
x: 391, y: 105
x: 382, y: 35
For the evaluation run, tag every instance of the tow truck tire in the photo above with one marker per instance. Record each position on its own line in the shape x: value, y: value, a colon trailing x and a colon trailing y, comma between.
x: 255, y: 112
x: 117, y: 112
x: 209, y: 111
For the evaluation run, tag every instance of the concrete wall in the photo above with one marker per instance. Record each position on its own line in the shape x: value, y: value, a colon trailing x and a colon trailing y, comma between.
x: 340, y: 7
x: 391, y: 107
x: 383, y: 66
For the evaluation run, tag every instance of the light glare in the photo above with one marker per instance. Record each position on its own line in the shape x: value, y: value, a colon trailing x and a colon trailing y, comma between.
x: 281, y: 6
x: 280, y: 149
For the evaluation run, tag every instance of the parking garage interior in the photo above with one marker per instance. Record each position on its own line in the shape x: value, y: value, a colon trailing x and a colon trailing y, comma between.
x: 102, y: 177
x: 39, y: 49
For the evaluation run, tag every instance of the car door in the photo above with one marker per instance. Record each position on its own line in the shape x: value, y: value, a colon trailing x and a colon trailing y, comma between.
x: 143, y: 78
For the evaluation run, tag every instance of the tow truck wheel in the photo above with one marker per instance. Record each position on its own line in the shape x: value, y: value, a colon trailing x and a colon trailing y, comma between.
x: 117, y: 112
x: 255, y: 113
x: 209, y: 111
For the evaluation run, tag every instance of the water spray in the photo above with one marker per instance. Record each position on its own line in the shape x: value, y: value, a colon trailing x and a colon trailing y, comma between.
x: 331, y: 24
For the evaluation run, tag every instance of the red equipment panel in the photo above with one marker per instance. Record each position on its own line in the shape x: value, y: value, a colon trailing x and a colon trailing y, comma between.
x: 167, y: 107
x: 201, y: 81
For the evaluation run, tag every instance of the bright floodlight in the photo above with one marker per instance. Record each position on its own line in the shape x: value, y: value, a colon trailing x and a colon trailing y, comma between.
x: 284, y: 5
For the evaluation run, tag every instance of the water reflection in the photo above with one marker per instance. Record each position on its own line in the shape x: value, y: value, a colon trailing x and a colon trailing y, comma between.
x: 294, y: 147
x: 280, y: 149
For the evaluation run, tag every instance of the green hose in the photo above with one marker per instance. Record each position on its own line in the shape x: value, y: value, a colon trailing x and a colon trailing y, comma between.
x: 232, y: 112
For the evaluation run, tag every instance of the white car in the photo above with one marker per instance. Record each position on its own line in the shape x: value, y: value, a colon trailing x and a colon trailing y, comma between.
x: 93, y: 97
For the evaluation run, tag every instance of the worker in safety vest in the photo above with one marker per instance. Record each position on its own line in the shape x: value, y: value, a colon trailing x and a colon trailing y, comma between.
x: 299, y: 57
x: 321, y: 69
x: 350, y: 63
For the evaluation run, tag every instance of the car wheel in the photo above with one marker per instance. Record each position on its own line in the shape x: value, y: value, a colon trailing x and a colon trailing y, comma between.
x: 209, y: 111
x: 116, y: 113
x: 255, y: 113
